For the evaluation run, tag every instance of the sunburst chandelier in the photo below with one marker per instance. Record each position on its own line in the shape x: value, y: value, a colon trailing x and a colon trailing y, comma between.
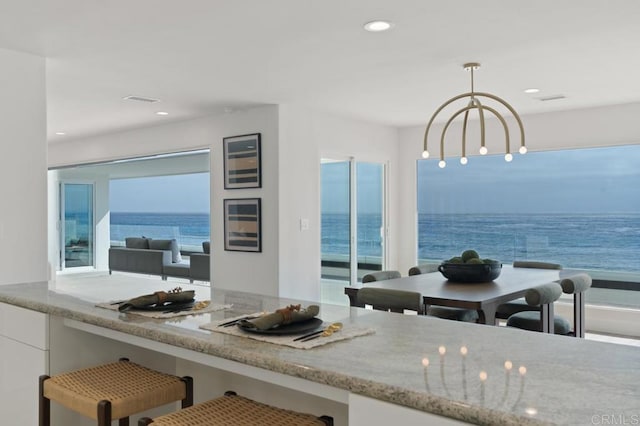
x: 474, y: 103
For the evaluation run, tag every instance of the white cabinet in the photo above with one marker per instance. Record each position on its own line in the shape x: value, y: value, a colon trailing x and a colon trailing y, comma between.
x: 24, y: 356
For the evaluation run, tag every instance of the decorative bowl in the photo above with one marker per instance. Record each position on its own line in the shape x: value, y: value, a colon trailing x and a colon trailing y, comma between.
x: 469, y: 272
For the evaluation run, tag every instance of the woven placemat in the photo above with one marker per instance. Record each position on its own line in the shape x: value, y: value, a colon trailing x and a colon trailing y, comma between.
x: 212, y: 307
x: 348, y: 331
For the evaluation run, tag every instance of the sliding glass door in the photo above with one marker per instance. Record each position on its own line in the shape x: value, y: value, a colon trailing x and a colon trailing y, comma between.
x: 77, y: 225
x: 353, y: 220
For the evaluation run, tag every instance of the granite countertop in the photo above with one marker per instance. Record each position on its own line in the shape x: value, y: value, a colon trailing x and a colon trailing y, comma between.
x: 475, y: 373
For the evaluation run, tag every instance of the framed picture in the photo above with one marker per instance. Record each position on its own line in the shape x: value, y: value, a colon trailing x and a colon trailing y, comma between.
x: 242, y: 160
x: 242, y: 225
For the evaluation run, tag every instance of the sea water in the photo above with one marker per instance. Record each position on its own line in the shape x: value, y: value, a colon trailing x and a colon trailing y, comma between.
x: 606, y: 242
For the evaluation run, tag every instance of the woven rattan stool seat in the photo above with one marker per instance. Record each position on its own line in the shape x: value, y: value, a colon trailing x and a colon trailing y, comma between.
x: 129, y: 388
x: 236, y: 410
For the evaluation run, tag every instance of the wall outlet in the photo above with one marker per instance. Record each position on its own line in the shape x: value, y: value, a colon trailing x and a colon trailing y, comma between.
x: 304, y: 224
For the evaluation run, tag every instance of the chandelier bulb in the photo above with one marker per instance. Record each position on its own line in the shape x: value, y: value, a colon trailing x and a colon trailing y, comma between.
x: 508, y: 157
x: 463, y: 160
x: 442, y: 164
x: 483, y: 150
x: 523, y: 150
x: 425, y: 154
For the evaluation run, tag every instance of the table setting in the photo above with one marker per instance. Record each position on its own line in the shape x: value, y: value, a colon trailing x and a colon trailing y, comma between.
x: 292, y: 326
x: 164, y: 304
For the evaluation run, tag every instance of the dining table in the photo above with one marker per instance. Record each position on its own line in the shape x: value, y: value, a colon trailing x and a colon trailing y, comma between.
x: 484, y: 297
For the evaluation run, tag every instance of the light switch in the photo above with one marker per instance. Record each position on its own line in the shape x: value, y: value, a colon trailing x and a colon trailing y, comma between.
x: 304, y: 224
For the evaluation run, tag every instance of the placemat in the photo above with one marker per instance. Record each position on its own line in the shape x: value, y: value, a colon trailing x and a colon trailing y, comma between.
x: 161, y: 314
x: 348, y: 331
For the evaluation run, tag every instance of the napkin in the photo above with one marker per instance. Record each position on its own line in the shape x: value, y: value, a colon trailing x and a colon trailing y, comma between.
x: 158, y: 298
x: 283, y: 316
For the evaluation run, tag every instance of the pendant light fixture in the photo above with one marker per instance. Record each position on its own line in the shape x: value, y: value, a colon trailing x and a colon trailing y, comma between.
x: 475, y: 103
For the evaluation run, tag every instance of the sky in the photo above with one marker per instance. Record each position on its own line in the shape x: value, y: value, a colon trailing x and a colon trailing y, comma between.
x: 161, y: 194
x: 597, y: 180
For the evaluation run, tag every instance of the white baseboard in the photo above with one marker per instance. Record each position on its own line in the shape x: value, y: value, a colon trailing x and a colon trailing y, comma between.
x: 605, y: 319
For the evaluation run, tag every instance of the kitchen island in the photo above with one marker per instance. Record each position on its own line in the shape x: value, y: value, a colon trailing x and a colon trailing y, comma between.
x: 412, y: 370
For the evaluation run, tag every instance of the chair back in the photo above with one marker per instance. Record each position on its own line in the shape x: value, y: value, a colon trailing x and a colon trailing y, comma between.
x: 544, y: 295
x: 577, y: 284
x: 535, y: 264
x: 380, y: 276
x: 384, y: 299
x: 423, y: 269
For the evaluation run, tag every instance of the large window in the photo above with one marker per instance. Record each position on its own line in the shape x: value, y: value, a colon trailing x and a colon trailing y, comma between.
x: 579, y: 208
x: 352, y: 211
x: 161, y: 207
x: 77, y: 234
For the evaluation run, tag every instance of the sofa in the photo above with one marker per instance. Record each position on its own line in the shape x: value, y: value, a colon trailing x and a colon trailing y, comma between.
x: 158, y: 257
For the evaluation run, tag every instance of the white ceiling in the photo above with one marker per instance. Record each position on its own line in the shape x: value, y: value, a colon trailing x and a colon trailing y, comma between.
x: 201, y: 57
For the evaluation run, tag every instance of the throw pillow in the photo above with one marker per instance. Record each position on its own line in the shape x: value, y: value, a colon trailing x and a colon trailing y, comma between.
x: 206, y: 247
x: 136, y: 242
x: 167, y: 245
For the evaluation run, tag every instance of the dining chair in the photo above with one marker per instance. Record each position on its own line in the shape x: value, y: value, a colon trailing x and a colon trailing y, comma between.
x: 384, y: 299
x: 505, y: 310
x: 423, y: 269
x: 544, y: 320
x: 577, y: 284
x: 444, y: 312
x: 380, y: 276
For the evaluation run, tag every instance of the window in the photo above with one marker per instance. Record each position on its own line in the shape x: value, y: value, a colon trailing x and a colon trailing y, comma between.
x: 352, y: 204
x: 579, y: 208
x: 161, y: 207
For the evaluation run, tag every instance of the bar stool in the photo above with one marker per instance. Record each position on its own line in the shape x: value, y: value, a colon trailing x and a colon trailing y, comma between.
x: 234, y: 410
x: 112, y: 391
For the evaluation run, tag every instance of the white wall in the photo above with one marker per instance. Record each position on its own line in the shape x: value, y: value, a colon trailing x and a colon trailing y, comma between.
x: 256, y: 272
x: 23, y: 159
x: 306, y: 136
x: 592, y: 127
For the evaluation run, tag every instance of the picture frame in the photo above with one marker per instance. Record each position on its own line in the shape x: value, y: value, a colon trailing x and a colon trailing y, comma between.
x: 243, y: 224
x: 242, y: 161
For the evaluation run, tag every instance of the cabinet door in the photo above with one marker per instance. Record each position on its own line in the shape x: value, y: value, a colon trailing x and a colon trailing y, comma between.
x: 24, y: 356
x: 20, y: 367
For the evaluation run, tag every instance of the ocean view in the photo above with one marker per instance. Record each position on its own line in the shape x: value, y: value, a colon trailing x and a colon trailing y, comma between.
x: 605, y: 242
x: 189, y: 229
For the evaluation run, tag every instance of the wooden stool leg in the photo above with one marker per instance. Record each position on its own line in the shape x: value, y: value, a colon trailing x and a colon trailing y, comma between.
x: 44, y: 411
x: 123, y: 421
x: 328, y: 420
x: 188, y: 384
x: 104, y: 413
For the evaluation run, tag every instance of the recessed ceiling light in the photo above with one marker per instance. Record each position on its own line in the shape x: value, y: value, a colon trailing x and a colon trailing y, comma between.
x: 377, y: 26
x: 531, y: 90
x: 60, y: 133
x: 162, y: 113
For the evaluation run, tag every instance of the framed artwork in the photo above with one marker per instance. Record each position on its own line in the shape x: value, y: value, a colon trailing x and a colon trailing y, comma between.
x: 242, y: 225
x: 242, y: 158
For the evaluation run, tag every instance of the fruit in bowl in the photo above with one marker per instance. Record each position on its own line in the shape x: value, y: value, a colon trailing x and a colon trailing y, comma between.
x: 470, y: 268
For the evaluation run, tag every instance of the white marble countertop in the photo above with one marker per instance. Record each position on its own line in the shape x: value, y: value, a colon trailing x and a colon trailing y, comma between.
x: 531, y: 378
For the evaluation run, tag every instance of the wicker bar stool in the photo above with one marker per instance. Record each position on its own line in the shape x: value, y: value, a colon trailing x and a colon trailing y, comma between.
x: 234, y: 410
x: 112, y: 391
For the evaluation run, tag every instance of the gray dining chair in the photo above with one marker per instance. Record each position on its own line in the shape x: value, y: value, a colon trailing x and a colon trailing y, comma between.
x: 444, y: 312
x: 384, y: 299
x: 380, y: 276
x: 505, y: 310
x: 576, y: 285
x: 544, y: 320
x: 423, y: 269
